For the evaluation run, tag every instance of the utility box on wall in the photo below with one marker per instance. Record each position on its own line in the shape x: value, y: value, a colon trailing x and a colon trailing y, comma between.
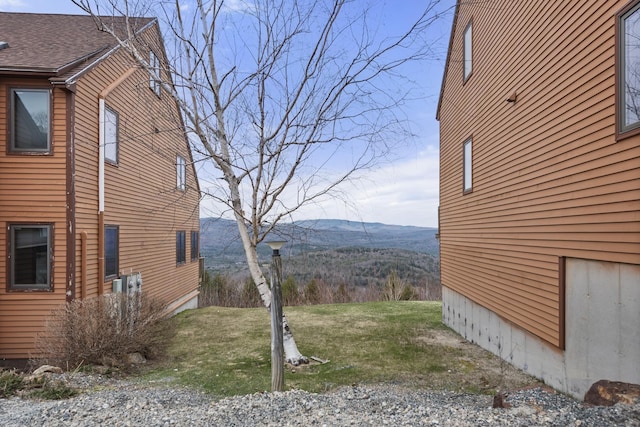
x: 131, y: 282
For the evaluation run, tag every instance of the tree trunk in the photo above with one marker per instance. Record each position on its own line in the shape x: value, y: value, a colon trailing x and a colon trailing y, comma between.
x: 292, y: 354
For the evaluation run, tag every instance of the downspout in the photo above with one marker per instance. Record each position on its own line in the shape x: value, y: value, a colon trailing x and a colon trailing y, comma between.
x: 101, y: 196
x: 70, y: 293
x: 101, y: 107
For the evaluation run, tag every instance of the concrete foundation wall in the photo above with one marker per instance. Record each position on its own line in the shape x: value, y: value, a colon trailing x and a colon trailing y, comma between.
x: 602, y: 329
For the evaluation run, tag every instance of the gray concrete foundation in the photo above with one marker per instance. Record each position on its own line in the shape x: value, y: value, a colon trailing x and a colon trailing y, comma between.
x: 602, y: 329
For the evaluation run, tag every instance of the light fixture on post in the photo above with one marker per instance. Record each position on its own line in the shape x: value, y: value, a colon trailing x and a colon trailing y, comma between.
x: 277, y: 348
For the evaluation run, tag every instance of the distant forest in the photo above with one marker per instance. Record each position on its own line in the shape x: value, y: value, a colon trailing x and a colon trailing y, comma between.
x: 358, y: 258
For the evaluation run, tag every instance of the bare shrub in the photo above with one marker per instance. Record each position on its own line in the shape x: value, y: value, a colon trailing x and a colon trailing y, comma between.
x: 396, y: 289
x: 103, y: 330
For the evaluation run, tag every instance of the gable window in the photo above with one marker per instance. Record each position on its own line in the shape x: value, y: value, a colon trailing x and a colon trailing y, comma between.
x: 110, y: 136
x: 467, y: 51
x: 181, y: 173
x: 30, y: 256
x: 628, y: 27
x: 30, y: 120
x: 181, y: 250
x: 111, y: 243
x: 195, y: 245
x: 468, y: 166
x: 154, y: 65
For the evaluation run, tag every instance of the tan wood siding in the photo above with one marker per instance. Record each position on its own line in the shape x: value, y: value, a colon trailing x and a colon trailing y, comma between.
x: 549, y: 178
x: 32, y: 190
x: 141, y: 196
x: 140, y: 191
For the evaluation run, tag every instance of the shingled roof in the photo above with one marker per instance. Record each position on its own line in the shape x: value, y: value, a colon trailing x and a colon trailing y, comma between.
x: 53, y: 45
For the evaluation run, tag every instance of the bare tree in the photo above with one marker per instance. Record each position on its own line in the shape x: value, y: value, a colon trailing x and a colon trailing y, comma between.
x: 283, y: 100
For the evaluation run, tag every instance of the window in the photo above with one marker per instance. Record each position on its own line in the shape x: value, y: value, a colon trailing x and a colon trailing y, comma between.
x: 468, y: 166
x: 110, y: 136
x: 30, y: 256
x: 195, y: 245
x: 154, y: 65
x: 629, y: 69
x: 181, y: 173
x: 111, y: 243
x: 467, y: 58
x: 30, y: 119
x: 181, y: 250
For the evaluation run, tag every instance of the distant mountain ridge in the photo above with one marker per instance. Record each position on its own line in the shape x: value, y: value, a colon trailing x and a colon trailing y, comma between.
x: 358, y: 254
x: 220, y: 242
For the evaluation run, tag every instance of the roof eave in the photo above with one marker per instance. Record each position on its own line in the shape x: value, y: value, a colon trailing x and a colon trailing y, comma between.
x: 71, y: 79
x: 446, y: 64
x: 28, y: 72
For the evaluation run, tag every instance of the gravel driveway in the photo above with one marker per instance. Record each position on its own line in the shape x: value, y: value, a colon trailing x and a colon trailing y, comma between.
x: 123, y: 403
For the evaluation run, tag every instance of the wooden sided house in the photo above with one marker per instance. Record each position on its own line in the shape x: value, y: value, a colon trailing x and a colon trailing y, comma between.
x: 540, y: 186
x: 98, y: 192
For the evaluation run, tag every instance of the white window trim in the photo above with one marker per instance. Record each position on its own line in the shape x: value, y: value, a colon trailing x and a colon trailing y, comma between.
x: 467, y: 166
x: 467, y: 51
x: 154, y: 64
x: 111, y: 135
x: 181, y: 173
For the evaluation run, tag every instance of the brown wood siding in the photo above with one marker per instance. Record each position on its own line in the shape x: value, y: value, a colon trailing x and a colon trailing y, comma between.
x: 140, y: 196
x: 549, y: 178
x: 140, y: 192
x: 32, y: 189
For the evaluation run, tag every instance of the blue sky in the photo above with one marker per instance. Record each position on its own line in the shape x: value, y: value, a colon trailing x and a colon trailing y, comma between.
x: 402, y: 192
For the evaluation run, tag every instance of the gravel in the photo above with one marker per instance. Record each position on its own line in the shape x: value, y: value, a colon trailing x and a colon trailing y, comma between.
x: 124, y: 403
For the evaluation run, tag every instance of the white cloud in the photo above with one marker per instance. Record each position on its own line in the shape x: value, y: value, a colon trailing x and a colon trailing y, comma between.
x: 12, y: 5
x: 404, y: 193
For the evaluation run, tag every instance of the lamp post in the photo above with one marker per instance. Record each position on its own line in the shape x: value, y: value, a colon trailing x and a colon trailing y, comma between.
x: 277, y: 349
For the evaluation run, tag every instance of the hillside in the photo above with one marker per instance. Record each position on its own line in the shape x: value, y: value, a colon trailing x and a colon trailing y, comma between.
x: 219, y: 238
x: 335, y: 251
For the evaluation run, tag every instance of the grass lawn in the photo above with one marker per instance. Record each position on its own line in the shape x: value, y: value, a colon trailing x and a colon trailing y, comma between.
x: 226, y: 351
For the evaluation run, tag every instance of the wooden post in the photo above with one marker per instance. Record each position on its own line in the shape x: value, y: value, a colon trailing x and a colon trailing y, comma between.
x: 277, y: 348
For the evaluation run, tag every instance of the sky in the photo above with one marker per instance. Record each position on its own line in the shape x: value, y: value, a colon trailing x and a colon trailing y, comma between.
x: 403, y: 191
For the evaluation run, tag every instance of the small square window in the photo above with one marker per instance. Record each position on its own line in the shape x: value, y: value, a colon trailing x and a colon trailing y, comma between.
x: 30, y: 121
x: 629, y: 69
x: 181, y: 173
x: 468, y: 51
x: 154, y: 64
x: 111, y: 252
x: 195, y: 245
x: 181, y: 250
x: 30, y: 256
x: 111, y: 138
x: 468, y: 166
